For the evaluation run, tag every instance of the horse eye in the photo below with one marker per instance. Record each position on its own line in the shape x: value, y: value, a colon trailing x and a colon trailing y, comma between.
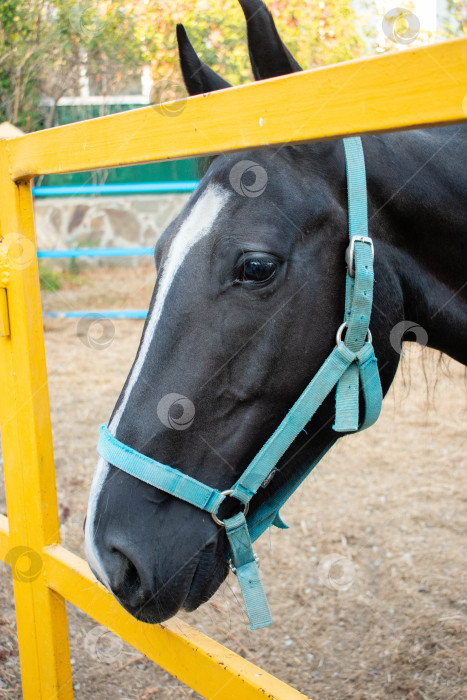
x: 258, y: 269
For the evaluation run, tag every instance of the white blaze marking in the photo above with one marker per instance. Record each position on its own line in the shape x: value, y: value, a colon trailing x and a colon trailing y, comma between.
x: 197, y: 225
x: 100, y: 475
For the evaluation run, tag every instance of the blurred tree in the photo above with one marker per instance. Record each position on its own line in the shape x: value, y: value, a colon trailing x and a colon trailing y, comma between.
x: 49, y: 48
x: 19, y: 66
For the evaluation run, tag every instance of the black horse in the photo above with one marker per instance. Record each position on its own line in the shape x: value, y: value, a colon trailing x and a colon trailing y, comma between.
x: 248, y: 299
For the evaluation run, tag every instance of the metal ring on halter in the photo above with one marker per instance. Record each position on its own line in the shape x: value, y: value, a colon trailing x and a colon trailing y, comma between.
x: 369, y: 337
x: 227, y: 493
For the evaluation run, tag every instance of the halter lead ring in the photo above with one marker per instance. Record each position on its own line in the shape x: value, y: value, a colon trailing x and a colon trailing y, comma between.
x: 229, y: 492
x: 351, y: 367
x: 343, y: 327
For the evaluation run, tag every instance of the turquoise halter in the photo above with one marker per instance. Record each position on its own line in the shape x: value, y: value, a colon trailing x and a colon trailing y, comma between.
x: 352, y: 363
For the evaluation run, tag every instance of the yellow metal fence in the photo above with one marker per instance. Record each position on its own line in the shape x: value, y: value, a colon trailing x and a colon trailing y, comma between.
x: 422, y: 87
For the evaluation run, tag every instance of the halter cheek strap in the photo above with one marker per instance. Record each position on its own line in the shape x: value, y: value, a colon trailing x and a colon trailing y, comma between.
x: 351, y: 367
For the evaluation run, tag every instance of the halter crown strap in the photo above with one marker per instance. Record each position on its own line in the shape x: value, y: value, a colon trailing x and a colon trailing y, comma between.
x: 351, y: 365
x: 358, y: 301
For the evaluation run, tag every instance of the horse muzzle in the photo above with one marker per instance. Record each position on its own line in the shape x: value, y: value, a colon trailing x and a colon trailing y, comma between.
x: 158, y: 558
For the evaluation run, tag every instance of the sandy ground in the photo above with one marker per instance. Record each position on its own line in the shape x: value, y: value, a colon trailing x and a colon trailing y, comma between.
x: 369, y: 586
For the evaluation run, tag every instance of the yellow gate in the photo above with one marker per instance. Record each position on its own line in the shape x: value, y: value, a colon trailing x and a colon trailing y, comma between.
x: 421, y: 87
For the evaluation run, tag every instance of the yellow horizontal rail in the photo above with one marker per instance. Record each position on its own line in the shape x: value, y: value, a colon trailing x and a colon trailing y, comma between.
x: 205, y: 665
x: 413, y: 88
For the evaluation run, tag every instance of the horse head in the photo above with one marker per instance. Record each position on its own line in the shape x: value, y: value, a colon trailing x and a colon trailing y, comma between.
x: 249, y: 295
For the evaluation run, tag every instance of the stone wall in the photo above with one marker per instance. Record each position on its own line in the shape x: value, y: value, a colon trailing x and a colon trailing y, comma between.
x: 104, y: 222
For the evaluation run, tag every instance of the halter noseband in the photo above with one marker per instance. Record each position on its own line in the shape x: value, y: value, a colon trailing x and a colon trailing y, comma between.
x: 351, y: 365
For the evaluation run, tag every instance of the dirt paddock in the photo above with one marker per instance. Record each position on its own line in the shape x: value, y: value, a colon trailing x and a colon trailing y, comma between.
x: 368, y: 588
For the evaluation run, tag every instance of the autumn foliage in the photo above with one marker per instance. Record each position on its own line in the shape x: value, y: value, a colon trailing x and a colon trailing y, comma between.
x: 317, y: 32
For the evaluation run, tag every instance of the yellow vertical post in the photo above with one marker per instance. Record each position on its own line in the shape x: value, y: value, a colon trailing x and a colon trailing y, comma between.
x: 27, y: 451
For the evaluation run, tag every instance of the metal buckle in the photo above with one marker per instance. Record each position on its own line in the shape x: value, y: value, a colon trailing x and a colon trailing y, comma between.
x: 233, y: 569
x: 350, y: 252
x: 228, y: 493
x: 341, y: 329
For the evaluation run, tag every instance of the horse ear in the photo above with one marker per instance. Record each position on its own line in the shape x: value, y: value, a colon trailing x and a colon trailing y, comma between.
x: 268, y: 55
x: 198, y: 77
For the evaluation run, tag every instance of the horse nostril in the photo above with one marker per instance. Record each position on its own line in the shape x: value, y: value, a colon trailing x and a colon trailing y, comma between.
x: 132, y: 578
x: 125, y: 581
